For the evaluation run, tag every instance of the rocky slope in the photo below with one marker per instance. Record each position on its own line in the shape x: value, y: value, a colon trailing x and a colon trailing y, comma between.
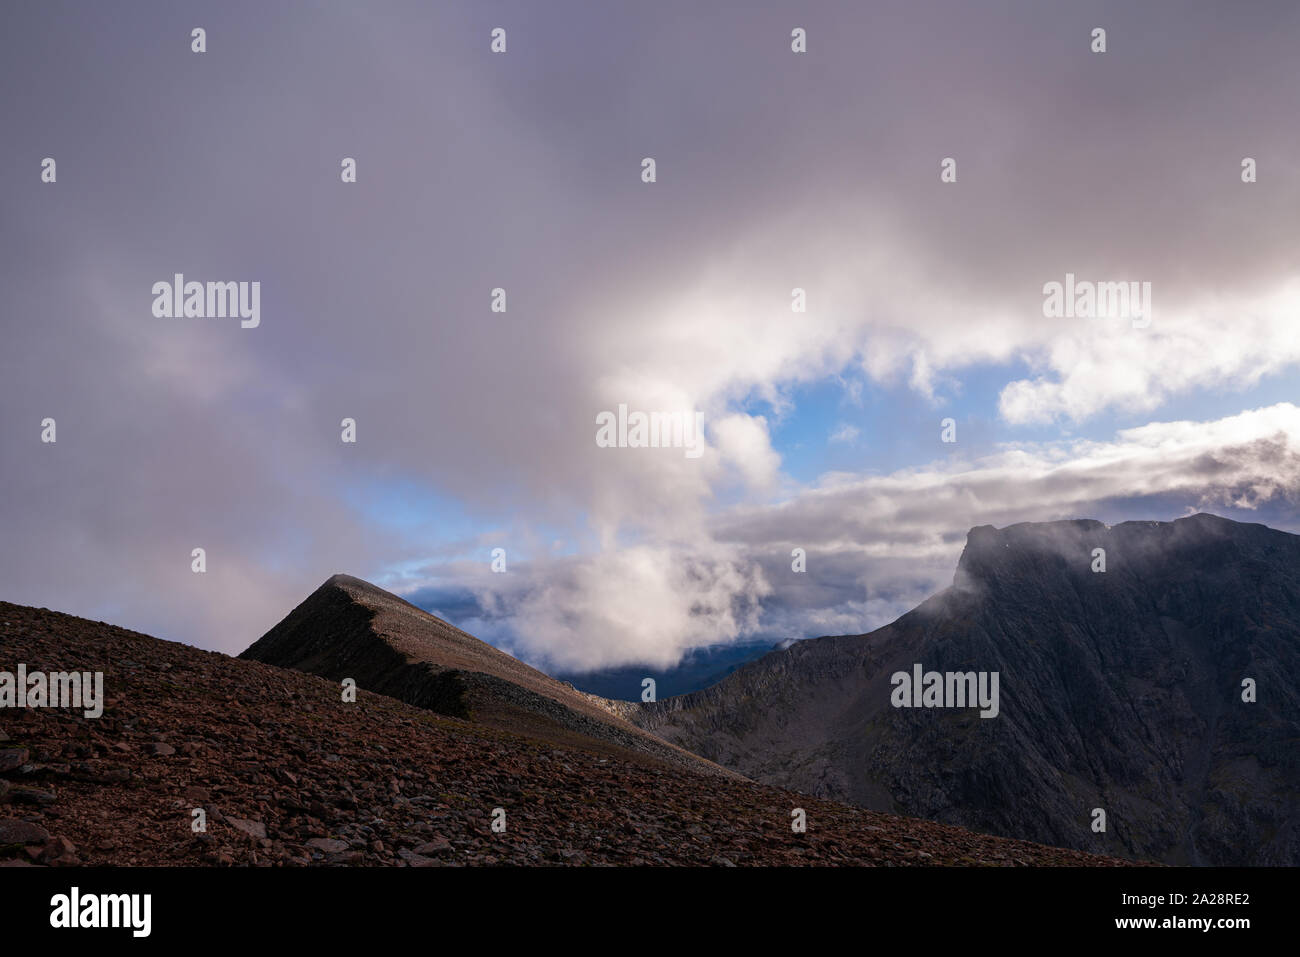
x: 287, y: 774
x: 349, y: 628
x: 1119, y: 690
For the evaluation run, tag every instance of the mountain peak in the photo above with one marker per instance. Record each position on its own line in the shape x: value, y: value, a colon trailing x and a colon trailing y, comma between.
x: 350, y: 628
x: 1120, y: 686
x: 1031, y: 549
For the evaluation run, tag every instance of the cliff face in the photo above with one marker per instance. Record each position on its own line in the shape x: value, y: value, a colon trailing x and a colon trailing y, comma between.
x: 1119, y: 690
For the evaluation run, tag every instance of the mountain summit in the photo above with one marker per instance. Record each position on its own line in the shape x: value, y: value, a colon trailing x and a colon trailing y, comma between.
x: 349, y: 628
x: 1120, y: 691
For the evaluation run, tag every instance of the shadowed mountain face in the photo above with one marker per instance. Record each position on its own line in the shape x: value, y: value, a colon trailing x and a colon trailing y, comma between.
x: 1120, y: 690
x: 348, y: 628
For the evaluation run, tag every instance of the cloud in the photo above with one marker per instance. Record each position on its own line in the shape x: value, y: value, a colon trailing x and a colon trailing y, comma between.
x: 521, y: 171
x: 743, y: 443
x: 1095, y: 365
x: 877, y: 546
x: 638, y: 604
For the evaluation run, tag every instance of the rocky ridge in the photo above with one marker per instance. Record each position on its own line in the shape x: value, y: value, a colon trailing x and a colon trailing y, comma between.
x: 349, y: 628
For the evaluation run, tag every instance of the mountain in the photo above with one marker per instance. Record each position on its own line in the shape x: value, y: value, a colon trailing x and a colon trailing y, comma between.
x: 348, y: 628
x: 286, y: 773
x: 1120, y: 690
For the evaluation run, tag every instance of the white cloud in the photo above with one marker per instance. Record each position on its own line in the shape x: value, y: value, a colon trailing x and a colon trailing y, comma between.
x: 647, y: 604
x: 1095, y: 365
x: 743, y: 443
x: 878, y: 545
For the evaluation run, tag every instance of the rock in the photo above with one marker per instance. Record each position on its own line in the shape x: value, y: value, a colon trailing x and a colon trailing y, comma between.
x: 12, y: 758
x: 159, y: 748
x: 439, y: 845
x: 328, y: 845
x: 25, y: 795
x: 415, y: 860
x: 253, y: 829
x: 14, y: 831
x: 59, y: 850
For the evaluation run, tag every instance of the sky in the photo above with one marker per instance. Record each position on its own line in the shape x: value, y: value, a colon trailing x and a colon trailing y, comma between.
x: 522, y: 170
